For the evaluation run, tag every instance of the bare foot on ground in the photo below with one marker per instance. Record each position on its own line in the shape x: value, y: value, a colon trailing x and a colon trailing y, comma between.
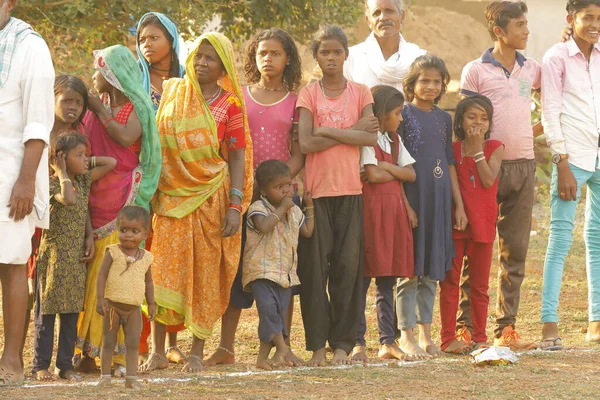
x: 593, y: 332
x: 176, y: 356
x: 44, y: 375
x: 294, y: 359
x: 279, y: 358
x: 391, y: 352
x: 142, y: 358
x: 154, y: 362
x: 411, y: 349
x: 340, y: 357
x: 264, y: 364
x: 318, y: 359
x: 431, y: 349
x: 70, y: 376
x: 359, y: 354
x: 193, y: 365
x: 221, y: 356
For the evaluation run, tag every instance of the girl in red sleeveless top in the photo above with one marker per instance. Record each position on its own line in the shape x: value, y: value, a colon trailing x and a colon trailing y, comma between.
x: 478, y: 162
x: 388, y: 242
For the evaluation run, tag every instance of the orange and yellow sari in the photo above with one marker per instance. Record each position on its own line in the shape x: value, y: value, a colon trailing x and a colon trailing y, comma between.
x: 194, y: 267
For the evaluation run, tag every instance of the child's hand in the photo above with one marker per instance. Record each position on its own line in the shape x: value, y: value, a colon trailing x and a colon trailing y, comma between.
x: 102, y: 307
x: 308, y: 200
x: 412, y: 217
x: 88, y: 250
x: 461, y: 219
x: 474, y: 139
x: 363, y: 177
x: 151, y: 311
x: 287, y: 203
x: 368, y: 124
x: 59, y: 164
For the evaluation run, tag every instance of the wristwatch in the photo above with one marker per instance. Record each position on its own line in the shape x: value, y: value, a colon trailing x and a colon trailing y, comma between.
x: 557, y: 158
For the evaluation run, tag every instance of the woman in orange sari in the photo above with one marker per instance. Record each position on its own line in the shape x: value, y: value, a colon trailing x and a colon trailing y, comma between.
x: 204, y: 188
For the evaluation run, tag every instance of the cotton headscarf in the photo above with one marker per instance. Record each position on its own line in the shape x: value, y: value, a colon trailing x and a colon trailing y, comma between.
x: 144, y: 65
x: 119, y: 67
x: 193, y: 166
x: 14, y: 31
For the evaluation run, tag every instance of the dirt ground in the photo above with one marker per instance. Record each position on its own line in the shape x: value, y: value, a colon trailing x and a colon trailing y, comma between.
x: 573, y: 373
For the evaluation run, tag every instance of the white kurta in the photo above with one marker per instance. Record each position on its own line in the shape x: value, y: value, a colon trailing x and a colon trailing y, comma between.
x: 366, y: 63
x: 26, y: 113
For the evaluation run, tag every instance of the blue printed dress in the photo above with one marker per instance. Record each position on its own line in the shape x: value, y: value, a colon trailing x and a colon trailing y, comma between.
x: 427, y: 136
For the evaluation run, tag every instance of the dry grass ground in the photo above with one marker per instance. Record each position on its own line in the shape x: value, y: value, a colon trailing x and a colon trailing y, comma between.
x: 570, y: 374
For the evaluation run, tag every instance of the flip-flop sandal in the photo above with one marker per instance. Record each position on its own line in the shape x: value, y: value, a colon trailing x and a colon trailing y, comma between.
x: 554, y: 346
x: 10, y: 378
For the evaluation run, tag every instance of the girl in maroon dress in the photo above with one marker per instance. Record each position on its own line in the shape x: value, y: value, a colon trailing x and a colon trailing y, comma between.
x: 388, y: 242
x: 478, y: 162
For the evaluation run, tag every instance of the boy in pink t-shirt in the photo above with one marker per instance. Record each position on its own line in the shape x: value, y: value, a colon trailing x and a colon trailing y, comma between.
x: 336, y: 118
x: 507, y: 78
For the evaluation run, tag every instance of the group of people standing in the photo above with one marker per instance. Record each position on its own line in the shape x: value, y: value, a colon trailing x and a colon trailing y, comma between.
x: 387, y: 193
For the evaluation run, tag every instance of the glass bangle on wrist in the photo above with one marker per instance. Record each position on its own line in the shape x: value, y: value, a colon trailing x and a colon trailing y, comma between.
x: 65, y: 181
x: 236, y: 192
x: 235, y: 207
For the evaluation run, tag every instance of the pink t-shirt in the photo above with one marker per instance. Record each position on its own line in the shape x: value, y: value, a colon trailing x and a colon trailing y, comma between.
x: 335, y: 171
x: 270, y: 127
x: 510, y: 93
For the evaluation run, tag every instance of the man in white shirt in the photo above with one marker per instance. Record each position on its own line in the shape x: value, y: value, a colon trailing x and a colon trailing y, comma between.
x: 384, y: 58
x: 26, y: 118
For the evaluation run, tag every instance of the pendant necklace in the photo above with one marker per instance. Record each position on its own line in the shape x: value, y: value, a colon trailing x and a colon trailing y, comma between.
x: 438, y: 172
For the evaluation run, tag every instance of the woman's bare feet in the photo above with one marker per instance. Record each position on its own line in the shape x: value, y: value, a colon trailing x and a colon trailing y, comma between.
x: 279, y: 359
x: 44, y: 375
x: 410, y: 347
x: 318, y: 359
x: 220, y: 356
x: 104, y: 381
x: 359, y: 354
x: 432, y: 350
x: 154, y: 362
x: 70, y: 376
x: 175, y: 355
x: 193, y: 364
x: 294, y: 359
x: 391, y: 352
x: 132, y: 383
x: 263, y: 364
x: 456, y: 347
x: 426, y: 343
x: 142, y: 358
x: 593, y: 333
x: 340, y: 357
x: 86, y: 365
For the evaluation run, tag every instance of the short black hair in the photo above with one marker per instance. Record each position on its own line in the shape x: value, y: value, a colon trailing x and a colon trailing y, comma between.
x: 462, y: 107
x: 63, y: 82
x: 574, y: 6
x: 268, y: 170
x: 426, y: 61
x: 134, y: 213
x: 329, y: 32
x: 499, y: 13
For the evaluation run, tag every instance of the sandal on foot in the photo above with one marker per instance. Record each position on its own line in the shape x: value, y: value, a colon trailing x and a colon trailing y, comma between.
x: 554, y: 344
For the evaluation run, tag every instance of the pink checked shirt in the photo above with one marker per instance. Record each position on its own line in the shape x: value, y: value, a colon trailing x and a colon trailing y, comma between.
x: 571, y: 101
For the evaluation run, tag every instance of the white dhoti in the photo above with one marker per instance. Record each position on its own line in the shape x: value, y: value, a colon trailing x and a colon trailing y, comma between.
x: 15, y: 241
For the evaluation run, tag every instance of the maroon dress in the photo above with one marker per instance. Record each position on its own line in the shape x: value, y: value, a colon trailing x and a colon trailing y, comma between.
x: 388, y: 241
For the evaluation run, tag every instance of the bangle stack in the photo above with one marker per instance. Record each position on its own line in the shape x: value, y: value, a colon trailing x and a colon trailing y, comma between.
x: 236, y: 192
x: 65, y: 181
x: 92, y: 162
x: 276, y: 216
x: 236, y: 207
x: 480, y: 158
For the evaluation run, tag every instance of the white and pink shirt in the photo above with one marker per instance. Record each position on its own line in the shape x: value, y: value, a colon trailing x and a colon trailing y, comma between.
x: 510, y: 93
x: 571, y: 103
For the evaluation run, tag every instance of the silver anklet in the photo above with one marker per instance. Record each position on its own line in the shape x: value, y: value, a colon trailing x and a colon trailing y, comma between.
x: 226, y: 350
